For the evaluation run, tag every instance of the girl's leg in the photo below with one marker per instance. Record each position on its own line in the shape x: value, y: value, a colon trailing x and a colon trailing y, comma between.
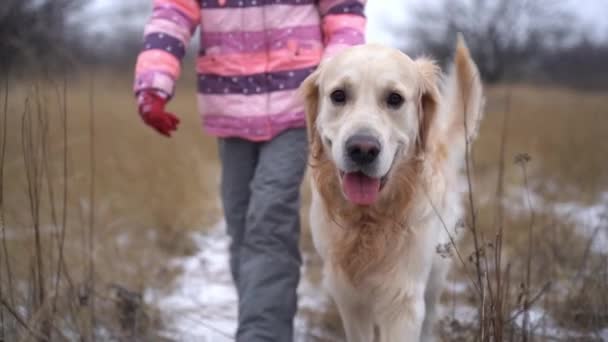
x: 239, y: 159
x: 270, y: 257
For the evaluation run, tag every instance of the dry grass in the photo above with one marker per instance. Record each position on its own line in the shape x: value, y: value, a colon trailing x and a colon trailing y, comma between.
x: 538, y: 143
x: 561, y: 129
x: 150, y: 193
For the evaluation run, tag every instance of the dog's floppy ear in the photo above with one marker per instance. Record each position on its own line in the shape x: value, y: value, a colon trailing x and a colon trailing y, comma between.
x: 428, y: 100
x: 309, y: 90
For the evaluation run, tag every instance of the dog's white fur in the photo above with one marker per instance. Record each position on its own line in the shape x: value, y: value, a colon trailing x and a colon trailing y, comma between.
x: 384, y: 273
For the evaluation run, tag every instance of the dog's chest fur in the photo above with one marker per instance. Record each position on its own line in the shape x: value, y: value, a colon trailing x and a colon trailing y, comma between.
x: 377, y: 261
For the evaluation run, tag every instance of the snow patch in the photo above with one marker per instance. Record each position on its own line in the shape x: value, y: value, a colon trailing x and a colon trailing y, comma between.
x: 203, y: 304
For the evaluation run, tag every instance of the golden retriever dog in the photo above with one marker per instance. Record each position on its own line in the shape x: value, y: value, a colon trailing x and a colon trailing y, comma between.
x: 387, y: 139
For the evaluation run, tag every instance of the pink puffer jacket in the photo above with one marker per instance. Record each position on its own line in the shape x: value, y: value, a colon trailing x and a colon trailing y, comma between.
x: 253, y: 56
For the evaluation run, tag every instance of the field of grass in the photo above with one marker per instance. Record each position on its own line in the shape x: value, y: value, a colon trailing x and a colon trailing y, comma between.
x: 95, y: 205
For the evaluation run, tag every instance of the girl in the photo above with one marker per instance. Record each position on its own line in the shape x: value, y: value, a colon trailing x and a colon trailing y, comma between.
x: 253, y: 56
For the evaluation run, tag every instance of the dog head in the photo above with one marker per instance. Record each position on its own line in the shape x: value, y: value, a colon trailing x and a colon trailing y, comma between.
x: 369, y: 109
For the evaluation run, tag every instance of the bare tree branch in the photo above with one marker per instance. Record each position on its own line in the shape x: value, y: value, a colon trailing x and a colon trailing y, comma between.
x: 500, y: 34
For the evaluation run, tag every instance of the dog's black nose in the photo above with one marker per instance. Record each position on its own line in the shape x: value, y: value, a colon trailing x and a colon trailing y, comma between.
x: 362, y: 149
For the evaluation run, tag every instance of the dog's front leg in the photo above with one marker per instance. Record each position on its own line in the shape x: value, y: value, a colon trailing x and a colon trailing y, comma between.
x: 404, y: 325
x: 432, y: 294
x: 357, y: 321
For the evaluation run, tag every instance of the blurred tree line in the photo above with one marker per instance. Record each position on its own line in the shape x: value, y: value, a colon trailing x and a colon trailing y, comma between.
x: 35, y: 32
x: 55, y: 36
x: 514, y: 40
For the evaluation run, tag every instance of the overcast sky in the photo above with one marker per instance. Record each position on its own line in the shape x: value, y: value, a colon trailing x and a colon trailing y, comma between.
x: 593, y: 14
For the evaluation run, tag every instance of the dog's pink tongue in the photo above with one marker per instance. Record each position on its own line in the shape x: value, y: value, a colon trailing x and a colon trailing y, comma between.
x: 361, y: 189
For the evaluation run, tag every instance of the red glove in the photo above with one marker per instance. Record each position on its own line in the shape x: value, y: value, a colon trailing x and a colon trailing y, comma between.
x: 152, y: 111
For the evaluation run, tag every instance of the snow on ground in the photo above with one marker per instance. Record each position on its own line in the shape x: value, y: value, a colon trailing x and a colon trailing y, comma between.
x: 202, y: 306
x: 590, y: 220
x: 543, y: 325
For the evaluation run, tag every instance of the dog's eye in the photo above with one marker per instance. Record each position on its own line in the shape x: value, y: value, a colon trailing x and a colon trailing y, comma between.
x: 338, y: 96
x: 394, y: 100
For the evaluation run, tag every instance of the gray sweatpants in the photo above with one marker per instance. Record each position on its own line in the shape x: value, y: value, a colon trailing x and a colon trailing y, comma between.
x: 260, y: 194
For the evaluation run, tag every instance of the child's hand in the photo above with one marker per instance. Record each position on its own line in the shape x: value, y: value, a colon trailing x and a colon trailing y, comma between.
x: 152, y: 111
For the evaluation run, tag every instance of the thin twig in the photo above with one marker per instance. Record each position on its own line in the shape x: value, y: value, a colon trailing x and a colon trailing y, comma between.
x: 41, y: 315
x: 452, y: 241
x: 586, y: 253
x: 2, y: 151
x: 65, y: 168
x: 2, y: 322
x: 31, y: 151
x: 498, y: 300
x: 41, y: 152
x: 91, y: 246
x: 62, y: 231
x: 522, y: 160
x: 7, y: 263
x: 473, y: 216
x: 534, y: 299
x: 490, y: 293
x: 19, y: 319
x: 54, y: 221
x: 61, y: 264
